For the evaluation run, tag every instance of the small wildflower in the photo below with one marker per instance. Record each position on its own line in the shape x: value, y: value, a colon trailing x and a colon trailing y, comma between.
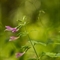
x: 8, y: 28
x: 12, y: 38
x: 19, y: 54
x: 15, y: 29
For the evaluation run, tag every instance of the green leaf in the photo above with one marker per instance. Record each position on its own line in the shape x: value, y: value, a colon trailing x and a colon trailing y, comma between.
x: 25, y: 47
x: 50, y: 54
x: 38, y: 42
x: 58, y: 55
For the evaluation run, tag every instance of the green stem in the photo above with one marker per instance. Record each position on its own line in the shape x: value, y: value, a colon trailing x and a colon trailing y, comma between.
x: 33, y: 48
x: 32, y: 45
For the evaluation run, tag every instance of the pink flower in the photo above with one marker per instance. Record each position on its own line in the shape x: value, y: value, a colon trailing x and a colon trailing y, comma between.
x: 19, y: 54
x: 12, y: 38
x: 8, y: 28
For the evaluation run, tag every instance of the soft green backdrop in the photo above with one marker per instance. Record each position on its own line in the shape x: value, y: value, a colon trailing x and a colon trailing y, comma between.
x: 43, y: 24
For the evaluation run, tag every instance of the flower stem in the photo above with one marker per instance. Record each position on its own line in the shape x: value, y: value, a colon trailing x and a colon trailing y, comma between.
x: 32, y: 45
x: 33, y: 48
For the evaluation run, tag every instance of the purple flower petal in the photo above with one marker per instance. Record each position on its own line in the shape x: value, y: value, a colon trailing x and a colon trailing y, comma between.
x: 8, y: 28
x: 19, y: 54
x: 15, y: 30
x: 12, y: 38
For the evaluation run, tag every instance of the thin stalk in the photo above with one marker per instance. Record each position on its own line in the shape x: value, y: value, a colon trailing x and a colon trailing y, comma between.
x: 33, y: 48
x: 32, y: 45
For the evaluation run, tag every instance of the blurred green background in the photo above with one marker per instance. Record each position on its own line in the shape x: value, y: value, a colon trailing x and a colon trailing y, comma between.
x: 43, y: 24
